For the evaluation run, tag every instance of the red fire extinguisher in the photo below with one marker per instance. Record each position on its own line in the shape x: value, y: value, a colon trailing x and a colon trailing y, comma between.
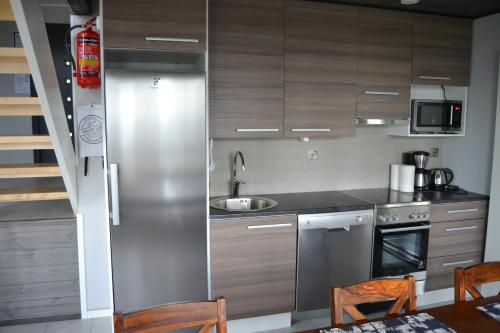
x: 88, y: 53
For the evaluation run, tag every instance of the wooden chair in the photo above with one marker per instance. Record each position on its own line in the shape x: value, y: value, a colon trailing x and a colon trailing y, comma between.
x: 346, y: 298
x: 170, y: 317
x: 466, y: 279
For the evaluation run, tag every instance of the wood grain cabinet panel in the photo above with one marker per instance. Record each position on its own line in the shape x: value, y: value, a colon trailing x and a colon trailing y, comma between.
x: 458, y: 211
x: 246, y: 68
x: 38, y: 269
x: 320, y: 69
x: 441, y: 50
x: 384, y: 64
x: 129, y: 24
x: 440, y: 270
x: 449, y: 238
x: 253, y: 264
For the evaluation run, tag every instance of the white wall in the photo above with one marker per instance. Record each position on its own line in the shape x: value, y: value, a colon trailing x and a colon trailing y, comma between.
x: 492, y: 251
x: 92, y: 205
x: 280, y: 165
x: 470, y: 157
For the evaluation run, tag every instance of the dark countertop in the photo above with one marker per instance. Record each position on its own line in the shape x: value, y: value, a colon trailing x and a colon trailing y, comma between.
x: 302, y: 203
x: 349, y: 200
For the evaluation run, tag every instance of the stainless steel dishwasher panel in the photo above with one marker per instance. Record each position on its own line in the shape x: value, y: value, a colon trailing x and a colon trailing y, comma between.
x: 334, y: 249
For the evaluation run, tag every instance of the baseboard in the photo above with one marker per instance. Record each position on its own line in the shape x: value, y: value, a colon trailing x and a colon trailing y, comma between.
x: 99, y: 313
x: 39, y: 320
x: 264, y: 323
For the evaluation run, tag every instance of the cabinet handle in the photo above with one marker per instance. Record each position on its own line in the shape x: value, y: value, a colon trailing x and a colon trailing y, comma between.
x: 443, y: 78
x: 311, y: 130
x: 115, y: 200
x: 269, y: 226
x: 246, y: 130
x: 457, y: 211
x: 170, y: 39
x: 385, y: 93
x: 472, y: 227
x: 455, y: 263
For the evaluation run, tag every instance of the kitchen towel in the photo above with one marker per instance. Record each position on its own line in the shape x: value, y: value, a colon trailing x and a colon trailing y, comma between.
x: 395, y: 177
x: 419, y: 323
x: 406, y: 178
x: 492, y: 310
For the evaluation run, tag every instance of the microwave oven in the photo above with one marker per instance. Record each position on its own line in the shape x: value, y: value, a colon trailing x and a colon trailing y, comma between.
x: 436, y: 117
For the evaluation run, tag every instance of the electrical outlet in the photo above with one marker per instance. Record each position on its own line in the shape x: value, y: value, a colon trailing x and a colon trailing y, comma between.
x: 312, y: 154
x: 434, y: 151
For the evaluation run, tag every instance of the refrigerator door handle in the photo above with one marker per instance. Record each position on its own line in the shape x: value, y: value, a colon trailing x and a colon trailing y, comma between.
x: 115, y: 199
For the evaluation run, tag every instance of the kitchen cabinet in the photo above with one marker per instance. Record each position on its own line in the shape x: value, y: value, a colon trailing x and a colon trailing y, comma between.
x: 253, y: 263
x: 441, y: 50
x: 384, y: 64
x: 155, y: 24
x: 320, y: 69
x: 246, y: 69
x: 456, y: 240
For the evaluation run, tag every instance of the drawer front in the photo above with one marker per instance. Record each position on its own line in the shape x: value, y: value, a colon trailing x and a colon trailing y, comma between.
x: 440, y: 270
x: 457, y: 211
x: 450, y: 238
x: 253, y: 264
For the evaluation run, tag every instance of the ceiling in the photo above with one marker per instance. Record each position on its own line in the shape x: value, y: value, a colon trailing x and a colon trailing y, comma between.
x: 458, y: 8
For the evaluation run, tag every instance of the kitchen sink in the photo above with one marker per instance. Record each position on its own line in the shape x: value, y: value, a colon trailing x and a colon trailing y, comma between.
x: 245, y: 204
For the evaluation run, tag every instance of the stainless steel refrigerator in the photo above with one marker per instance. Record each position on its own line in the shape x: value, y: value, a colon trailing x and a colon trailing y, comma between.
x: 156, y: 154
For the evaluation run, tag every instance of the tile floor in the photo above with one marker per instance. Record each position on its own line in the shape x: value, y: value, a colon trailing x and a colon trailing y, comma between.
x: 95, y: 325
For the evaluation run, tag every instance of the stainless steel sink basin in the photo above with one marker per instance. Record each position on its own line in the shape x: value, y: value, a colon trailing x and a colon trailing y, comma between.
x: 245, y: 204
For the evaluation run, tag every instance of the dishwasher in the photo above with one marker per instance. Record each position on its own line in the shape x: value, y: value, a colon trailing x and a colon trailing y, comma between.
x: 334, y: 249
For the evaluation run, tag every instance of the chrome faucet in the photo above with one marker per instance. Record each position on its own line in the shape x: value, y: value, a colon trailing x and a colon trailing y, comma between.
x: 236, y: 181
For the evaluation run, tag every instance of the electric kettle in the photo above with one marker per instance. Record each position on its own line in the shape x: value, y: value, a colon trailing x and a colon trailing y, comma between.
x: 441, y: 177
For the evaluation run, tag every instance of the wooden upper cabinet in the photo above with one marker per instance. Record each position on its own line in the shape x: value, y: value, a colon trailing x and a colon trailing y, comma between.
x: 384, y: 64
x: 155, y: 24
x: 441, y: 50
x: 246, y: 68
x: 320, y: 69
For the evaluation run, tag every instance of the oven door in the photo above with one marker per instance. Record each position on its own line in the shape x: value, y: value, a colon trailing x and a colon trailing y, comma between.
x: 400, y: 249
x: 435, y: 116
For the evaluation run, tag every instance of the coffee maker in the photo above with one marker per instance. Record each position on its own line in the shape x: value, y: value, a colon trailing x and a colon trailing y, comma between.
x: 419, y: 159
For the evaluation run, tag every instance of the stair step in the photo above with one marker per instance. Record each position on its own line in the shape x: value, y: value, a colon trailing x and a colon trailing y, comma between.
x: 29, y: 170
x: 25, y: 142
x: 13, y: 61
x: 20, y: 106
x: 33, y: 194
x: 6, y: 11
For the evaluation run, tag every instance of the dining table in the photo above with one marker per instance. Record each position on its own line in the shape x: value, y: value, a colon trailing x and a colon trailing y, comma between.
x: 462, y: 317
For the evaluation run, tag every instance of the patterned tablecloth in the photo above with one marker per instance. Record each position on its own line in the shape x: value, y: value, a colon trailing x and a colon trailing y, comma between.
x: 419, y: 323
x: 492, y: 310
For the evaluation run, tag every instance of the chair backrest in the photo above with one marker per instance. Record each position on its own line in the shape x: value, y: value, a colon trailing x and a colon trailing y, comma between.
x: 466, y: 279
x: 170, y: 317
x: 346, y: 298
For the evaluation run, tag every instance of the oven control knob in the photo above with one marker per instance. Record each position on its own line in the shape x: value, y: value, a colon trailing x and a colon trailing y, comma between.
x: 382, y: 218
x: 419, y: 215
x: 413, y: 215
x: 359, y: 219
x: 395, y: 218
x: 426, y: 215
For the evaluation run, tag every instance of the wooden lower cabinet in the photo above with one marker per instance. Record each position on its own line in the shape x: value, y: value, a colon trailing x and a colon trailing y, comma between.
x: 440, y: 270
x: 38, y: 269
x: 456, y: 239
x: 253, y: 264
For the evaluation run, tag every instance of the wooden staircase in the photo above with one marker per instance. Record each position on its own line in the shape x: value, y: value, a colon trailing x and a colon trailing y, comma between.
x: 12, y: 186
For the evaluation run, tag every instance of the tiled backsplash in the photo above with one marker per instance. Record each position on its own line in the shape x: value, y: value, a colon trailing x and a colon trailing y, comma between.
x: 280, y: 165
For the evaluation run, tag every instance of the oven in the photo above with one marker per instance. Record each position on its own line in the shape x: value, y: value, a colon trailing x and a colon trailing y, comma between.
x: 436, y: 116
x: 401, y: 240
x: 400, y: 249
